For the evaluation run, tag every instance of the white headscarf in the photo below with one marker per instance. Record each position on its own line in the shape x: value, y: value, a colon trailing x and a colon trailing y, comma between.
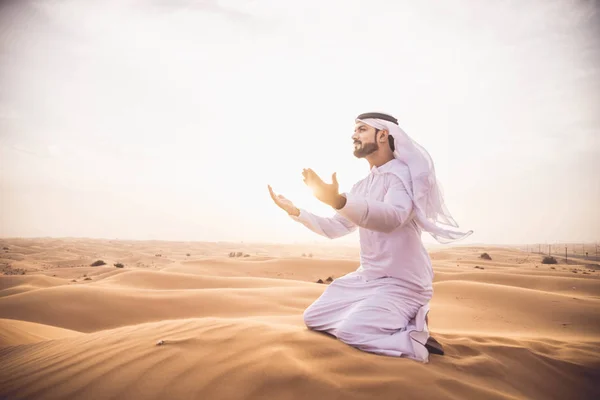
x: 424, y: 188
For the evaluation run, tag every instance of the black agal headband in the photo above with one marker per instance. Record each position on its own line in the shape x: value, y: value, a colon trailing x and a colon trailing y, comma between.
x: 382, y: 116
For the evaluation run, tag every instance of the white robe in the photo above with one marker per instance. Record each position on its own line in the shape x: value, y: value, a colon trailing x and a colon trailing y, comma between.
x: 382, y: 306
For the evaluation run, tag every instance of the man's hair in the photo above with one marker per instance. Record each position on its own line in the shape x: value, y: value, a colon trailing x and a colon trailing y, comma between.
x: 390, y: 139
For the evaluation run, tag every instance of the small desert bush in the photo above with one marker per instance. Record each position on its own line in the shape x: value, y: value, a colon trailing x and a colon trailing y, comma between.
x: 485, y: 256
x: 98, y: 263
x: 119, y: 265
x: 549, y: 260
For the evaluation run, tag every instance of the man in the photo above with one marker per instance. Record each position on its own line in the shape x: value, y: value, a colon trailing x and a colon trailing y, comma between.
x: 382, y: 306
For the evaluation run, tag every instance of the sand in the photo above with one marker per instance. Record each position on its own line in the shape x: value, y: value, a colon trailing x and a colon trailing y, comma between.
x: 232, y: 327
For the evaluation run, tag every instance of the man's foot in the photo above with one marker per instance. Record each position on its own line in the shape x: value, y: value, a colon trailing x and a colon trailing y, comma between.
x: 434, y: 347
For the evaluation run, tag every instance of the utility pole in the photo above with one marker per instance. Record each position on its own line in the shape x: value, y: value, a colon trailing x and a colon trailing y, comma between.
x: 566, y: 256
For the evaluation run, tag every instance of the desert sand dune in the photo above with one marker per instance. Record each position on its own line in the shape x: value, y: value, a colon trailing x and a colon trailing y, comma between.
x: 304, y: 269
x: 232, y: 326
x: 509, y: 311
x: 557, y: 283
x: 14, y: 332
x: 13, y: 284
x: 159, y: 280
x: 88, y: 308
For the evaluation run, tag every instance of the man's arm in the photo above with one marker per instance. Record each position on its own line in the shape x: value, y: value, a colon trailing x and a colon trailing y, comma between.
x: 381, y: 216
x: 332, y: 228
x: 328, y: 227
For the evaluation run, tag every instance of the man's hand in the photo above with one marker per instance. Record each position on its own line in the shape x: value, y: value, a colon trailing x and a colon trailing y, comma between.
x: 328, y: 193
x: 284, y: 203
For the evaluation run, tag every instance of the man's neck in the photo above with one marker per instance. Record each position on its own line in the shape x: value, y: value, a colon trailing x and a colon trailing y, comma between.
x: 377, y: 160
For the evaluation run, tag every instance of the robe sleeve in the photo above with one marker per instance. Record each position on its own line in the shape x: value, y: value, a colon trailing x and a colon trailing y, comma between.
x: 382, y: 216
x: 334, y: 227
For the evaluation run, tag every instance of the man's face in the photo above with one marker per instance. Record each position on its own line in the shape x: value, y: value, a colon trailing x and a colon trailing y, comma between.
x: 364, y: 139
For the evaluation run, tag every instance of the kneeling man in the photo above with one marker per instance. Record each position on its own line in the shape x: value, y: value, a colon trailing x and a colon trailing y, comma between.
x: 382, y: 306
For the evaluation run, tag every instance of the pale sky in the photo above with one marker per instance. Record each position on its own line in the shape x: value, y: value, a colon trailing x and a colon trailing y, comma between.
x: 167, y: 119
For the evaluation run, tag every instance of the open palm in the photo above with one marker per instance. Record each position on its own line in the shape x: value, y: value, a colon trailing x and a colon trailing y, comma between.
x: 325, y: 192
x: 283, y: 203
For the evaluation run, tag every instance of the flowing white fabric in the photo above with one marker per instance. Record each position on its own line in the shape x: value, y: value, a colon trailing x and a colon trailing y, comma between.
x: 424, y: 188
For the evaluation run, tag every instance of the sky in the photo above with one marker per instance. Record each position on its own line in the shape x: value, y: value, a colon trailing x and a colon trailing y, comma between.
x: 166, y: 119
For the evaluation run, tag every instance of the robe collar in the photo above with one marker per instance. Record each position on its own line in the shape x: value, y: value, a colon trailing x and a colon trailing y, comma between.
x: 387, y: 167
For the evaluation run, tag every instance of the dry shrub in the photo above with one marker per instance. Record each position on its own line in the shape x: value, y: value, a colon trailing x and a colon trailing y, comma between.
x: 97, y: 263
x: 549, y: 260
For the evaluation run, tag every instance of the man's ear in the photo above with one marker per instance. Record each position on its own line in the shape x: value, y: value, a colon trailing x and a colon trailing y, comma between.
x: 383, y: 137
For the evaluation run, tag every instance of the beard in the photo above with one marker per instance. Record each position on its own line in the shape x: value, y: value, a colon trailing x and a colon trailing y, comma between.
x: 365, y: 149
